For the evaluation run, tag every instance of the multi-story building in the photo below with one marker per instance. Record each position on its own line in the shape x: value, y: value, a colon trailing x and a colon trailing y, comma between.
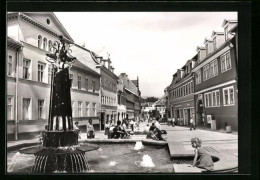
x: 108, y: 89
x: 216, y: 79
x: 121, y: 101
x: 132, y: 96
x: 181, y: 93
x: 167, y: 103
x: 137, y: 100
x: 29, y: 74
x: 85, y: 90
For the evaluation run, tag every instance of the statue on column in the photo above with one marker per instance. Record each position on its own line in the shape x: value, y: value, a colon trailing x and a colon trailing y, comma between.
x: 60, y: 115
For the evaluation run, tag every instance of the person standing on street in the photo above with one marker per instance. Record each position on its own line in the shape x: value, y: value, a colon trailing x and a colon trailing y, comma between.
x: 173, y: 121
x: 192, y: 124
x: 90, y: 130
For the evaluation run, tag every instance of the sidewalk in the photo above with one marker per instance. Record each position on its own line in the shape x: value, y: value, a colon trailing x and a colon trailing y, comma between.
x: 174, y: 134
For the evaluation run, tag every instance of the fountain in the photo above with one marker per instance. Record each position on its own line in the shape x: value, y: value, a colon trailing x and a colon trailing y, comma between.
x: 147, y: 161
x: 138, y: 145
x: 60, y: 151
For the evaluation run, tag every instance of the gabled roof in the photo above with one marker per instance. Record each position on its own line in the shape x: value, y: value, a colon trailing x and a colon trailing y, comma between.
x: 85, y: 68
x: 234, y: 29
x: 228, y: 21
x: 206, y: 39
x: 135, y: 82
x: 218, y: 33
x: 129, y: 85
x: 200, y: 47
x: 38, y: 19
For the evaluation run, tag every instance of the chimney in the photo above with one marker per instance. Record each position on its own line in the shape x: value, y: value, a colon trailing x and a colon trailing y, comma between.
x: 137, y: 82
x: 201, y: 53
x: 112, y: 69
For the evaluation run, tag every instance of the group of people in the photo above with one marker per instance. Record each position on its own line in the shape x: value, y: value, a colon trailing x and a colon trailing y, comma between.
x: 116, y: 132
x: 154, y: 131
x: 90, y: 129
x: 171, y: 121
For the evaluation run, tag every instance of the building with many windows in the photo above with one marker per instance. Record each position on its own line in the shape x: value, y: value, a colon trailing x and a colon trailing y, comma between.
x: 216, y: 79
x: 205, y: 88
x: 108, y: 88
x: 181, y: 94
x: 133, y: 99
x: 29, y: 74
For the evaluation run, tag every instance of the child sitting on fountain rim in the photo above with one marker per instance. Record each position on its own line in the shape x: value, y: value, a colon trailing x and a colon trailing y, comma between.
x: 201, y: 159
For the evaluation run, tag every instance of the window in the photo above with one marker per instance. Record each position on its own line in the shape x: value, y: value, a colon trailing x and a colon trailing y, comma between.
x: 10, y: 107
x: 80, y: 108
x: 39, y: 41
x: 192, y: 87
x: 87, y: 108
x: 93, y: 85
x: 225, y: 62
x: 215, y: 69
x: 26, y: 65
x: 40, y: 72
x: 50, y: 46
x: 26, y: 106
x: 215, y: 98
x: 198, y: 77
x: 79, y: 82
x: 49, y: 73
x: 214, y: 44
x: 40, y: 108
x: 10, y: 65
x: 55, y: 45
x: 218, y: 98
x: 188, y: 91
x: 71, y: 78
x: 94, y: 109
x: 44, y: 43
x: 184, y: 92
x: 208, y: 99
x: 72, y: 107
x: 206, y: 72
x: 86, y: 84
x: 228, y: 96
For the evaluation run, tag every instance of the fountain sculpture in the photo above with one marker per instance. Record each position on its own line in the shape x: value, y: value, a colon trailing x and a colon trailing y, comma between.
x: 60, y: 151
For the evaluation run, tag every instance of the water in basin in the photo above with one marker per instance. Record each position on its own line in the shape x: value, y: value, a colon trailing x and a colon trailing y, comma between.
x: 110, y: 158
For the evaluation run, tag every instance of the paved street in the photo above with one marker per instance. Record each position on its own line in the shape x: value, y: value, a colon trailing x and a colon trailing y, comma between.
x: 221, y: 140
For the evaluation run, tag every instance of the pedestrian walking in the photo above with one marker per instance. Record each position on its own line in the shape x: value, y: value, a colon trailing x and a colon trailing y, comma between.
x: 132, y: 125
x: 192, y: 124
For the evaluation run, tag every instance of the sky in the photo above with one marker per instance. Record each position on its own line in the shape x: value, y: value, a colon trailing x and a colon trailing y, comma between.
x: 150, y: 45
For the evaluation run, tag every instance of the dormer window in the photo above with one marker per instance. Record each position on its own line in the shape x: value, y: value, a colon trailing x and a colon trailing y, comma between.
x: 226, y: 32
x: 214, y: 44
x: 207, y: 50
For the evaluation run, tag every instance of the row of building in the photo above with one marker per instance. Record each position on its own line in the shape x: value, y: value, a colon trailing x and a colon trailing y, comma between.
x: 205, y: 88
x: 97, y: 93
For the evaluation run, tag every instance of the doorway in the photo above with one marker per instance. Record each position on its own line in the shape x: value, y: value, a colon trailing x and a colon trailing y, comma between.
x: 199, y: 111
